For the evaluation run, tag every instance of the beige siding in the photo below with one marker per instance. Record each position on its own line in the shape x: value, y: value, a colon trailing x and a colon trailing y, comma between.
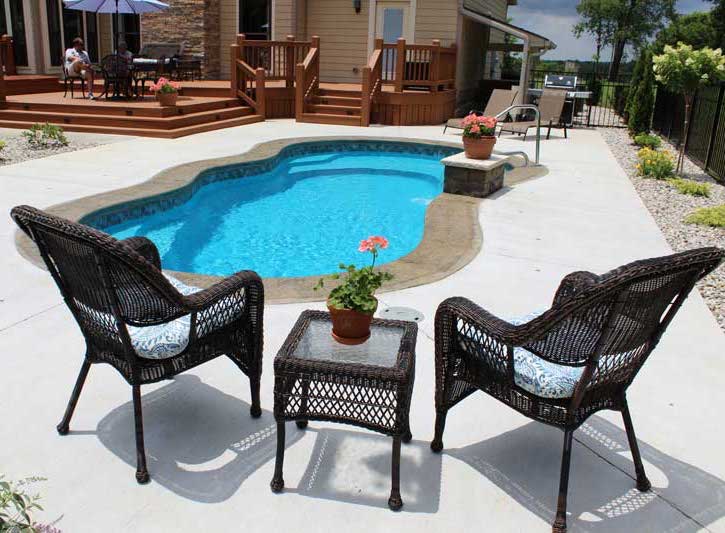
x: 105, y: 31
x: 228, y: 33
x: 436, y: 19
x: 343, y: 38
x: 284, y: 13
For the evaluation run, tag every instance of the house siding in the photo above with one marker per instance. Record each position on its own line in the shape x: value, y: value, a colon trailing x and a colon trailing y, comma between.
x: 229, y: 20
x: 436, y: 19
x: 343, y: 38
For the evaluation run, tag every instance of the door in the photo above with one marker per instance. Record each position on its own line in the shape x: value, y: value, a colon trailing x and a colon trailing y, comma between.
x: 392, y: 21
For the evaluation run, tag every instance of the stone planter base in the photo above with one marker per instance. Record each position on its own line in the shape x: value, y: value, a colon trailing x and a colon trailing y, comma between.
x: 473, y: 177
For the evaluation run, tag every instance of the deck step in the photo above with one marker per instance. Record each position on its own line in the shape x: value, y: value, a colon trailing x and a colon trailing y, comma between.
x: 350, y: 111
x: 336, y: 100
x: 100, y: 107
x: 345, y: 93
x: 144, y: 132
x: 162, y: 123
x: 326, y: 118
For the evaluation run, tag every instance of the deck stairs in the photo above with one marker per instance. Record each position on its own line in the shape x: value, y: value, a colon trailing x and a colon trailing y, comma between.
x: 333, y: 106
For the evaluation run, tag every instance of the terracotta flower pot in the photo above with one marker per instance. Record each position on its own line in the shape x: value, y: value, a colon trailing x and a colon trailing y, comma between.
x: 350, y: 327
x: 167, y: 99
x: 480, y: 148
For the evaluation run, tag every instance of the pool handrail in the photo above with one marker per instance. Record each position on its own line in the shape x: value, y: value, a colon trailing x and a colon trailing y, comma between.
x: 538, y: 122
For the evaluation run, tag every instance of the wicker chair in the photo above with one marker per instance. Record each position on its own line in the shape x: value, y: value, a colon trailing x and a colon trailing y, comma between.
x: 575, y: 359
x: 123, y: 303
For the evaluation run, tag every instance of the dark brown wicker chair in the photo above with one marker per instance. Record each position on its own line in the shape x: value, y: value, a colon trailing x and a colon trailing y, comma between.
x: 596, y: 336
x: 114, y: 288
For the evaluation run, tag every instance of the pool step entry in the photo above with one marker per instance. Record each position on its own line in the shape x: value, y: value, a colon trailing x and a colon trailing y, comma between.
x: 334, y: 106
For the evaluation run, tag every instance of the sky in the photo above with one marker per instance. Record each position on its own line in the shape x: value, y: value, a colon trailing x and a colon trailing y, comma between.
x: 555, y: 18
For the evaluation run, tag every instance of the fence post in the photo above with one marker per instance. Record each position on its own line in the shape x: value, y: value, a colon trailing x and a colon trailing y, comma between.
x: 715, y: 124
x: 234, y: 49
x: 289, y: 73
x: 399, y: 65
x: 378, y: 44
x: 435, y: 65
x: 259, y: 93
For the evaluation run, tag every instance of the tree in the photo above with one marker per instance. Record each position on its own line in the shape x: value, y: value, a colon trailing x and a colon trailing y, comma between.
x: 718, y: 22
x: 642, y: 97
x: 683, y: 70
x: 622, y: 23
x: 634, y: 81
x: 696, y: 29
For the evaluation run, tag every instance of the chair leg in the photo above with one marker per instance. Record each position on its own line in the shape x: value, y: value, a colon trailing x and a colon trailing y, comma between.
x: 643, y: 483
x: 395, y: 502
x: 255, y: 410
x: 559, y: 525
x: 548, y: 133
x: 277, y: 484
x: 437, y: 444
x: 142, y: 473
x: 565, y: 135
x: 64, y: 425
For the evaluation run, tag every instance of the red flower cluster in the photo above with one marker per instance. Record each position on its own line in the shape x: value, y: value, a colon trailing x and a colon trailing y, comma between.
x: 371, y: 244
x: 478, y: 126
x: 165, y: 86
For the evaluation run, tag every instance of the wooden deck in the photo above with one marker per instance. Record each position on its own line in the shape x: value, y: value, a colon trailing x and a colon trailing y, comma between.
x: 144, y: 117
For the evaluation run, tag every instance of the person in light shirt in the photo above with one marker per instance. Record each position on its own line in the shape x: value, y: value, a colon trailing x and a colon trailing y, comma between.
x: 78, y: 64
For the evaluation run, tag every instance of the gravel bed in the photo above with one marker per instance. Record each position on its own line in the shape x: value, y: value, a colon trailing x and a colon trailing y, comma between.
x: 669, y: 208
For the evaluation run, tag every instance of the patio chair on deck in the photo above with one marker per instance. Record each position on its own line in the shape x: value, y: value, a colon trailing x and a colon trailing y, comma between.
x: 499, y: 100
x: 551, y: 106
x: 117, y: 74
x: 147, y: 325
x: 575, y: 359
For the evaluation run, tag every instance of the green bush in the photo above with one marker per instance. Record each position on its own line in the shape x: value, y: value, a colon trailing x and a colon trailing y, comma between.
x: 654, y: 164
x: 45, y: 135
x: 634, y: 81
x: 693, y: 188
x: 708, y: 216
x: 3, y: 144
x: 17, y: 505
x: 641, y: 101
x: 647, y: 140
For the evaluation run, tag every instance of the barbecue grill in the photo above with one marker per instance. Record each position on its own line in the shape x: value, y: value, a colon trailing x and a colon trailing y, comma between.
x: 555, y: 81
x: 574, y: 98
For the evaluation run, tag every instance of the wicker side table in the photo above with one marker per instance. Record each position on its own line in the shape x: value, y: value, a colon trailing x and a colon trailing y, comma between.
x: 368, y: 385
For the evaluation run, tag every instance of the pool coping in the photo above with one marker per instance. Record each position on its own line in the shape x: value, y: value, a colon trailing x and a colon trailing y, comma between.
x: 451, y: 239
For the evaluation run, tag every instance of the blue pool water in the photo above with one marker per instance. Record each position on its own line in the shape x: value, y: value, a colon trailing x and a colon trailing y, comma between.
x: 301, y: 216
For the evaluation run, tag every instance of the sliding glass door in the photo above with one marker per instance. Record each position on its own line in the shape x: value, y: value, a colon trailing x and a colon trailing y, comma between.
x: 12, y: 22
x: 64, y: 25
x: 255, y: 18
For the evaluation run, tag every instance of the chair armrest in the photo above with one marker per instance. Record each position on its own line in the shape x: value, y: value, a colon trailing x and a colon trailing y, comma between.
x: 246, y: 280
x: 573, y: 284
x: 465, y: 309
x: 146, y: 248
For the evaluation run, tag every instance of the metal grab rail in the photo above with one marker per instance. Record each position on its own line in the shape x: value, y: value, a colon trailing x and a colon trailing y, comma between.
x: 538, y: 122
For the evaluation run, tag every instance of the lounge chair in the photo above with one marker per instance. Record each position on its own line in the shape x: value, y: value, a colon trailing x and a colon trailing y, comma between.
x: 499, y: 100
x: 147, y: 325
x: 551, y: 105
x: 575, y: 359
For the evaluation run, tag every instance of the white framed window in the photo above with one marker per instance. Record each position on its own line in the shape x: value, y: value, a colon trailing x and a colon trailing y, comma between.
x: 62, y: 25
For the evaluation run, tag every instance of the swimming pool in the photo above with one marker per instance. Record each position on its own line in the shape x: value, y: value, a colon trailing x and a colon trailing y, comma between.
x: 299, y: 213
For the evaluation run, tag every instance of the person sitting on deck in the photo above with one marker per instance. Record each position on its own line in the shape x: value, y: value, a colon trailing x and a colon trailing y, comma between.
x: 125, y: 53
x: 78, y: 64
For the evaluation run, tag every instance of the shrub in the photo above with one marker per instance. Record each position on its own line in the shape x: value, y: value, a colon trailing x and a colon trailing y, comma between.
x: 657, y: 165
x: 45, y: 135
x: 708, y: 216
x: 647, y: 140
x: 693, y: 188
x: 17, y: 505
x: 3, y: 144
x: 642, y: 98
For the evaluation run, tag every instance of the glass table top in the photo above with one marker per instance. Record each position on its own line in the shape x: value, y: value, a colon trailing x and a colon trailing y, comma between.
x: 381, y: 349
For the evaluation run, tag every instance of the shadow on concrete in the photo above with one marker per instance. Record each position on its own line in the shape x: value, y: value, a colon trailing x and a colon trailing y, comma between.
x: 525, y: 464
x: 200, y: 442
x: 355, y: 467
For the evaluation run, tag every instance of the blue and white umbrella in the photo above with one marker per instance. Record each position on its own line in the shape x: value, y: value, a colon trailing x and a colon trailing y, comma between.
x: 134, y: 7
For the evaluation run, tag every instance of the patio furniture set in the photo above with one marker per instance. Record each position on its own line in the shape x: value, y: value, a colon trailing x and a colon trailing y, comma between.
x: 559, y: 368
x: 129, y: 79
x: 550, y: 102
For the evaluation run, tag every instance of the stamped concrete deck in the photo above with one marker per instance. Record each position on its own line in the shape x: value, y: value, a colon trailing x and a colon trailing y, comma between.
x: 211, y: 464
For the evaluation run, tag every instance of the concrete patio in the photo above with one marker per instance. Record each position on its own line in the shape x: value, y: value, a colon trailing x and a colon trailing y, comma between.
x: 211, y: 463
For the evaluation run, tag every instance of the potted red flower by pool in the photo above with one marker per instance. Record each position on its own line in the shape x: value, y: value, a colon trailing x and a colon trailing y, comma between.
x: 166, y: 91
x: 352, y: 304
x: 479, y: 136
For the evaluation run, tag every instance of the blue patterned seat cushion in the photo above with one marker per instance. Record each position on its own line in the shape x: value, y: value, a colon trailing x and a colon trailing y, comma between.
x: 539, y: 376
x: 164, y: 340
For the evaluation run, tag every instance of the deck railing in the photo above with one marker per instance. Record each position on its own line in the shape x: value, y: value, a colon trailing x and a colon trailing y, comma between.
x: 307, y: 77
x: 7, y: 56
x: 430, y: 66
x: 372, y: 82
x: 256, y: 62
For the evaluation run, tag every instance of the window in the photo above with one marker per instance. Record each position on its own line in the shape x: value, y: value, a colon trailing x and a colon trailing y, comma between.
x: 17, y: 29
x: 254, y: 19
x: 64, y: 25
x: 128, y: 32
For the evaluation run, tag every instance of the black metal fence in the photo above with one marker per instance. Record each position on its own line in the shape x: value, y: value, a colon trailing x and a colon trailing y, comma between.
x: 605, y: 106
x: 705, y: 143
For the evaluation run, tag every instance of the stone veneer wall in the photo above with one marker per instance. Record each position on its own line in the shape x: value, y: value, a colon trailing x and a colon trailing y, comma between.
x: 195, y: 23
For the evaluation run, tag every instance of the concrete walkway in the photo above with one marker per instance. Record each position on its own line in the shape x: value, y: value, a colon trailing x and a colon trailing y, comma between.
x: 211, y: 464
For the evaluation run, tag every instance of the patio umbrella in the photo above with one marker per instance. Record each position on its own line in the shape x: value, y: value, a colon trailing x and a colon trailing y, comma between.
x: 133, y: 7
